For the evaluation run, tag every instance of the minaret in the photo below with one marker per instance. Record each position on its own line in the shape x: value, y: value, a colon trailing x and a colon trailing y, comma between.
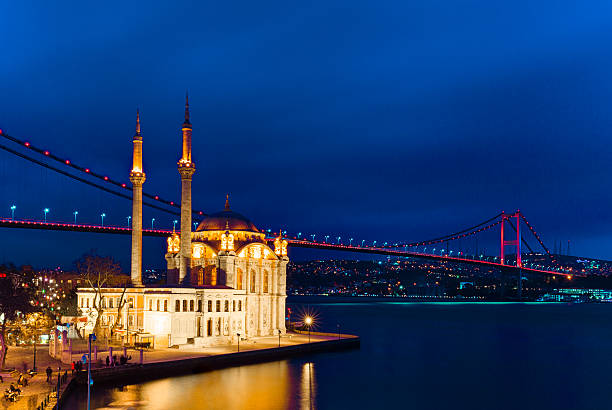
x: 186, y: 168
x: 137, y: 176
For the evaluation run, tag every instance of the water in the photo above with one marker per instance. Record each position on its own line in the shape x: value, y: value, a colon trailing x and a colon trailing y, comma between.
x: 415, y: 356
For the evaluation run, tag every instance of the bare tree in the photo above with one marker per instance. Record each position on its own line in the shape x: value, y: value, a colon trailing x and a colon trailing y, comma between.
x: 16, y: 294
x: 100, y: 273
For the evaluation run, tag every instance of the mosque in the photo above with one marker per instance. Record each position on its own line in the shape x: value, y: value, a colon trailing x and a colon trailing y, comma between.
x: 224, y: 282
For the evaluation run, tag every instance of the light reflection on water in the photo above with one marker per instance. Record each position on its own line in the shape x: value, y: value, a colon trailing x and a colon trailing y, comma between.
x: 275, y: 385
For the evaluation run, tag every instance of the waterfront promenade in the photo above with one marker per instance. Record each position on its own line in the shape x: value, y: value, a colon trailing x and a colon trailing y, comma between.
x: 169, y: 361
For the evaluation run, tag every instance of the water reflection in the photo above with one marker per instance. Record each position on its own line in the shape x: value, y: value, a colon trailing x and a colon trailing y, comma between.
x: 276, y: 385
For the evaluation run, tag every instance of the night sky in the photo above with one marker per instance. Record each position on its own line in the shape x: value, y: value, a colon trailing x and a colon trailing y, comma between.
x: 385, y: 121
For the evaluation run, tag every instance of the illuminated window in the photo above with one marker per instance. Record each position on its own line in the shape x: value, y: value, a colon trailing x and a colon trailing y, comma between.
x: 199, y: 305
x: 131, y: 302
x: 177, y: 306
x: 103, y: 302
x: 130, y: 320
x: 253, y: 281
x: 265, y: 283
x: 238, y: 278
x: 151, y: 305
x: 233, y: 306
x: 184, y: 305
x: 165, y: 305
x: 239, y: 306
x: 158, y: 305
x: 226, y: 306
x: 191, y: 303
x: 111, y: 302
x: 218, y: 306
x: 209, y: 306
x: 209, y: 327
x: 87, y: 302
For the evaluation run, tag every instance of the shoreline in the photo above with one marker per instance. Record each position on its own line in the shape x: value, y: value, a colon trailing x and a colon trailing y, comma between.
x: 138, y: 373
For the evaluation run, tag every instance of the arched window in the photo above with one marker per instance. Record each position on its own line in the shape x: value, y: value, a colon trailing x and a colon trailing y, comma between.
x: 238, y: 278
x: 158, y: 305
x: 252, y: 281
x: 184, y: 305
x: 111, y: 302
x: 209, y: 327
x: 131, y: 302
x: 103, y: 302
x: 177, y: 306
x: 210, y: 275
x: 150, y: 304
x: 165, y: 305
x: 265, y: 282
x: 191, y: 305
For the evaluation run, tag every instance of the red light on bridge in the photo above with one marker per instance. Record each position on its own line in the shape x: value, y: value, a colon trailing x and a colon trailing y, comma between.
x: 86, y: 169
x: 123, y: 185
x: 106, y: 178
x: 46, y: 152
x: 27, y: 144
x: 67, y: 162
x: 171, y: 202
x: 156, y: 197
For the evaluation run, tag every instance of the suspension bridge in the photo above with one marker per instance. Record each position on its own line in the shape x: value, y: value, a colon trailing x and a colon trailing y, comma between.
x: 510, y: 225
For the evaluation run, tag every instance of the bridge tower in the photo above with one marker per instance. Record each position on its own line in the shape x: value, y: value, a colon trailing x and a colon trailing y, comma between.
x: 186, y: 169
x: 137, y: 176
x: 513, y: 242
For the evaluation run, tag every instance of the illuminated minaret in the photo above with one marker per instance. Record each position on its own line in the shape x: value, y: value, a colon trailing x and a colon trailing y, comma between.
x: 186, y: 168
x: 137, y: 176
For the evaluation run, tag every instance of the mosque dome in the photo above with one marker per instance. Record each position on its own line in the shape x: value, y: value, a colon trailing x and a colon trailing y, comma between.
x: 226, y: 220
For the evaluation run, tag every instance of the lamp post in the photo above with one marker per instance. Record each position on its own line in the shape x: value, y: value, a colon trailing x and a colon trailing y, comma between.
x: 238, y: 342
x: 75, y: 213
x: 326, y: 236
x: 362, y: 242
x: 128, y: 219
x: 13, y: 207
x: 46, y: 210
x: 92, y: 337
x: 174, y: 224
x: 102, y: 216
x: 308, y: 321
x: 338, y: 240
x: 152, y: 222
x: 299, y: 234
x: 195, y: 226
x: 34, y: 365
x: 351, y: 242
x: 313, y: 236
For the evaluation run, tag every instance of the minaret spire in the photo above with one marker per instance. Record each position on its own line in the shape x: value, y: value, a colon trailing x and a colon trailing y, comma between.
x: 186, y: 168
x: 227, y: 207
x: 186, y: 108
x: 137, y: 177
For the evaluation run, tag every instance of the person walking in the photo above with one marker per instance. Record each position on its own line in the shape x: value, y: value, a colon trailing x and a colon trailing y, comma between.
x: 72, y: 367
x: 49, y: 373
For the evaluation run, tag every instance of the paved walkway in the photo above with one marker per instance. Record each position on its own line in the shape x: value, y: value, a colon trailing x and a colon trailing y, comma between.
x: 38, y: 388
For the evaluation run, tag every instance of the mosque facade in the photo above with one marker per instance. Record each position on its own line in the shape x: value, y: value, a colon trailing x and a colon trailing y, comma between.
x: 224, y: 282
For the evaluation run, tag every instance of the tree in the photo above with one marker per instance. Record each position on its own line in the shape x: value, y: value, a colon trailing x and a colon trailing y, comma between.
x: 16, y: 295
x: 99, y: 273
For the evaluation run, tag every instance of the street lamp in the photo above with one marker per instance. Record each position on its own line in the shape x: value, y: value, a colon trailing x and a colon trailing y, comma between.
x: 299, y: 234
x: 338, y: 240
x: 13, y: 207
x: 46, y: 210
x: 102, y: 216
x: 195, y: 226
x: 238, y: 342
x: 152, y: 222
x: 313, y: 236
x: 362, y: 242
x: 326, y: 236
x: 75, y: 213
x: 308, y: 322
x: 174, y: 224
x: 128, y: 218
x: 351, y: 242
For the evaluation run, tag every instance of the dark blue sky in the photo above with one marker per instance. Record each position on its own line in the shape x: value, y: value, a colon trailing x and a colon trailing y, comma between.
x: 377, y: 120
